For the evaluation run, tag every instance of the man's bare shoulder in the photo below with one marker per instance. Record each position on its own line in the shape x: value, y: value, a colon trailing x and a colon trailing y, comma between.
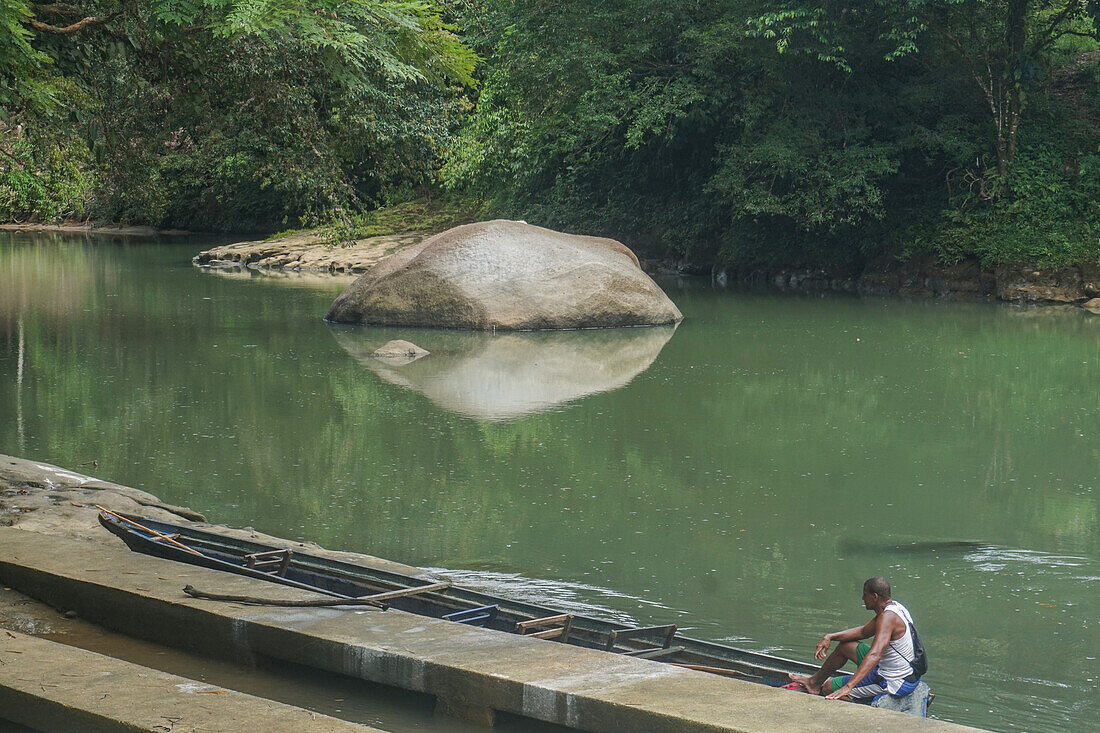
x: 893, y: 620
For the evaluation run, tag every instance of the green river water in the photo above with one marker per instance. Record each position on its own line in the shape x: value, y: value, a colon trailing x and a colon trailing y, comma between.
x: 740, y: 475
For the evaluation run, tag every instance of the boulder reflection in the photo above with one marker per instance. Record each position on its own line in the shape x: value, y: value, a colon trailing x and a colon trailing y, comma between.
x: 317, y: 280
x: 503, y: 376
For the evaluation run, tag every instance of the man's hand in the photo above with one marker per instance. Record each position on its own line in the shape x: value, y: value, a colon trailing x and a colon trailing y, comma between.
x: 842, y: 692
x: 822, y: 647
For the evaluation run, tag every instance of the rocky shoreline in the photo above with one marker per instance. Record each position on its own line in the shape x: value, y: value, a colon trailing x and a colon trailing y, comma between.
x: 1021, y: 284
x: 40, y: 497
x: 306, y: 252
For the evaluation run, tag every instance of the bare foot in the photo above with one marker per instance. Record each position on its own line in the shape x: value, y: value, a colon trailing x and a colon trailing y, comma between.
x: 806, y: 682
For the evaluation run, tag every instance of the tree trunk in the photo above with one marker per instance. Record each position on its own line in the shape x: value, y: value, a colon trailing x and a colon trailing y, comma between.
x: 1011, y: 105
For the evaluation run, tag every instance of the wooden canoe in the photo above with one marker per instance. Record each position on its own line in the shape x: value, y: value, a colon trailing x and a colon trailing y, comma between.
x: 336, y: 579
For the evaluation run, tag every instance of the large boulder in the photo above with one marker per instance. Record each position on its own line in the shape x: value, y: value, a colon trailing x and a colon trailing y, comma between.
x: 507, y: 275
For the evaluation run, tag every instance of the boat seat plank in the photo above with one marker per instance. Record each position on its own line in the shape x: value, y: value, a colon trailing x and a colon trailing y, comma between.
x: 654, y: 653
x: 617, y: 635
x: 273, y: 561
x: 550, y: 627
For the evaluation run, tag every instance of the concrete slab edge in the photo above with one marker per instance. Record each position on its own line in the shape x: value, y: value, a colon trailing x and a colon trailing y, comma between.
x: 49, y: 686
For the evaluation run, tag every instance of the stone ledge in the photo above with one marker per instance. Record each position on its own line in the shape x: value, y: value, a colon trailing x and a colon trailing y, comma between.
x: 53, y: 687
x: 305, y: 253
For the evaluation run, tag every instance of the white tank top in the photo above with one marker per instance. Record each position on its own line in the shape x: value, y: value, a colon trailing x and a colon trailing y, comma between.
x: 895, y: 661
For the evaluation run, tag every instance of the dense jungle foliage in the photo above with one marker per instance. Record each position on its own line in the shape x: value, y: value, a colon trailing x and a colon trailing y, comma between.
x: 800, y: 132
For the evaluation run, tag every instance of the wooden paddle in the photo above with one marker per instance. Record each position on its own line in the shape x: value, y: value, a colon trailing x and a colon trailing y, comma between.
x: 322, y: 602
x: 375, y: 600
x: 713, y: 670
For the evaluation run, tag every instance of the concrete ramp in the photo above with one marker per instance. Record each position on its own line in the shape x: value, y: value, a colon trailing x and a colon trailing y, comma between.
x: 472, y: 672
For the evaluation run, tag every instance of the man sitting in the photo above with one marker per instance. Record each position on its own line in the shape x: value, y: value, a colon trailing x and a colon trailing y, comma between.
x: 883, y: 667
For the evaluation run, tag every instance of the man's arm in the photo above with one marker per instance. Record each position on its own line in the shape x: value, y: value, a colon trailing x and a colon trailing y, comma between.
x: 882, y: 629
x: 856, y: 633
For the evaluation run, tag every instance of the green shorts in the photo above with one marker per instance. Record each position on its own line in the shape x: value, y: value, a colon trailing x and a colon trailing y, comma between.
x: 861, y: 651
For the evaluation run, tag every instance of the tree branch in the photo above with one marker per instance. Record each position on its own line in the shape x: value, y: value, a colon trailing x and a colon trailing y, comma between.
x: 1048, y: 36
x: 1069, y: 32
x: 67, y: 30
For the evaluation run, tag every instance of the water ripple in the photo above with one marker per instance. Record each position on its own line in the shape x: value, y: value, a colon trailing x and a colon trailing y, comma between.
x: 580, y: 598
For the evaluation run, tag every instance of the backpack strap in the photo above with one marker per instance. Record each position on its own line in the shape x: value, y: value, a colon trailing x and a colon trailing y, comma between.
x: 903, y: 614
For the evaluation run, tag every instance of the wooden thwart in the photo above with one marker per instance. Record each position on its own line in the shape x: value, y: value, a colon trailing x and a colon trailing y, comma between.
x: 559, y: 627
x: 654, y: 653
x: 273, y: 561
x: 618, y: 635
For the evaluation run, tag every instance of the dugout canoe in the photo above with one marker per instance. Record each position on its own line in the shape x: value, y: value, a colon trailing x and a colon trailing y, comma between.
x: 337, y: 579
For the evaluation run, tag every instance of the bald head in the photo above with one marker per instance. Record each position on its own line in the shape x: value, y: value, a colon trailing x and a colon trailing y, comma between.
x: 879, y: 586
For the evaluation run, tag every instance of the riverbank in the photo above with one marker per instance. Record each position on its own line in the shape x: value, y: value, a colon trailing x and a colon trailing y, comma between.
x: 117, y: 230
x: 1079, y: 285
x: 925, y: 278
x: 314, y: 251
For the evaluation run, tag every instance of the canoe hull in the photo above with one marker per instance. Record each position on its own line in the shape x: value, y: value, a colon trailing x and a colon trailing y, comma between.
x: 341, y: 579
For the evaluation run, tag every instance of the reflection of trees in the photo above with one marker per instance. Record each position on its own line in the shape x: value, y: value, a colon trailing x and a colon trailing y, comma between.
x: 1000, y: 460
x: 51, y: 276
